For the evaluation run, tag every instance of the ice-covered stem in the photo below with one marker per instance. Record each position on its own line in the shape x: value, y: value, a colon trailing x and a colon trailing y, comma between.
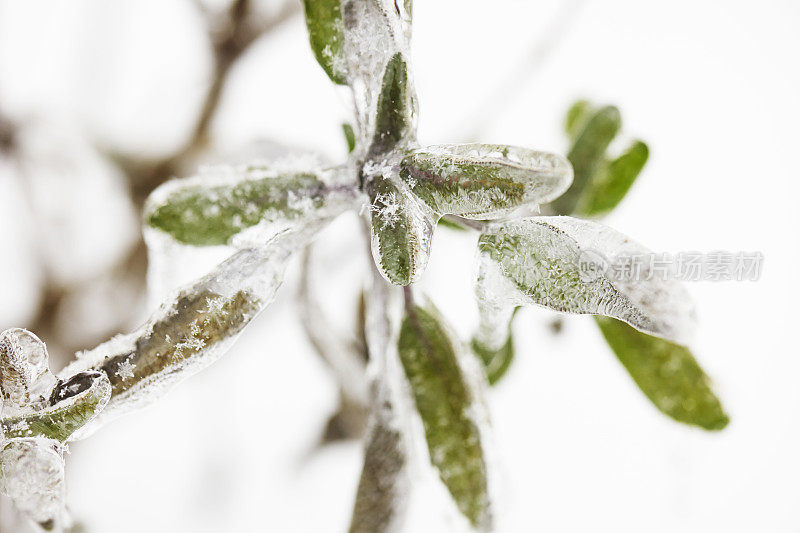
x: 383, y: 487
x: 344, y: 357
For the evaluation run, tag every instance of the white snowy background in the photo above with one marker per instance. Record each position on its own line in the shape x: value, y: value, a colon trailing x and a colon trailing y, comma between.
x: 712, y: 87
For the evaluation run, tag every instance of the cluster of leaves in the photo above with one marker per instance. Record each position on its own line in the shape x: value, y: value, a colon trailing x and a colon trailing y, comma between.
x: 266, y: 213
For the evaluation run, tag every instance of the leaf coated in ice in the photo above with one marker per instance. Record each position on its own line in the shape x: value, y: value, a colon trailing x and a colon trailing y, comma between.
x: 196, y: 322
x: 74, y: 403
x: 326, y: 34
x: 400, y: 233
x: 556, y: 262
x: 395, y: 108
x: 430, y: 358
x: 210, y: 210
x: 667, y: 373
x: 377, y: 499
x: 587, y: 154
x: 484, y: 181
x: 32, y: 475
x: 25, y: 376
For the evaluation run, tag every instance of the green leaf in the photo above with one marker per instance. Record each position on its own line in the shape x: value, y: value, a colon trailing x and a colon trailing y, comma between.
x: 612, y: 182
x: 444, y: 401
x: 326, y: 33
x: 401, y: 233
x: 447, y: 223
x: 587, y: 153
x: 74, y: 404
x: 483, y: 181
x: 395, y: 108
x: 377, y: 496
x: 196, y: 322
x: 667, y: 373
x: 577, y: 117
x: 350, y: 137
x: 496, y: 362
x: 201, y: 214
x: 559, y: 263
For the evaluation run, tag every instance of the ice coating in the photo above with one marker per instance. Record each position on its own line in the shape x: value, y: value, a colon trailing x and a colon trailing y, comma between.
x: 544, y: 259
x: 32, y: 475
x: 191, y: 330
x: 484, y: 181
x: 401, y: 232
x: 223, y: 201
x: 383, y: 488
x: 25, y: 377
x: 374, y: 31
x: 74, y: 403
x: 449, y: 402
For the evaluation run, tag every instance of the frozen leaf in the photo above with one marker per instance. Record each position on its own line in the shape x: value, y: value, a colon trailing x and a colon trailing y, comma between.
x: 611, y: 182
x: 25, y: 377
x: 32, y: 475
x: 667, y: 373
x: 553, y: 262
x: 191, y: 330
x: 380, y: 485
x: 222, y: 202
x: 374, y: 33
x: 401, y: 233
x: 326, y: 33
x: 484, y: 181
x: 394, y: 120
x: 444, y: 400
x: 496, y: 362
x: 74, y: 403
x: 588, y: 153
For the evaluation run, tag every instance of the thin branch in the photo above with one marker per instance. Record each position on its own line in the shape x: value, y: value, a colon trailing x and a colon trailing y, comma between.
x: 229, y: 43
x: 343, y: 357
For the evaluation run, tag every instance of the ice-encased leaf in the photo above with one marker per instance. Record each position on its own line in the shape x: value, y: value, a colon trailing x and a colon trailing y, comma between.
x: 191, y: 330
x: 401, y: 232
x: 430, y: 357
x: 326, y: 34
x: 493, y: 342
x: 394, y: 116
x: 667, y: 373
x: 612, y: 180
x: 552, y: 262
x: 375, y: 510
x: 587, y: 154
x: 25, y: 377
x: 484, y: 181
x: 32, y: 475
x: 221, y: 202
x: 74, y: 403
x: 375, y: 32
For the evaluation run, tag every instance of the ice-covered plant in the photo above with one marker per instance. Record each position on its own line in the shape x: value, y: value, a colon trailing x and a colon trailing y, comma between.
x: 425, y: 385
